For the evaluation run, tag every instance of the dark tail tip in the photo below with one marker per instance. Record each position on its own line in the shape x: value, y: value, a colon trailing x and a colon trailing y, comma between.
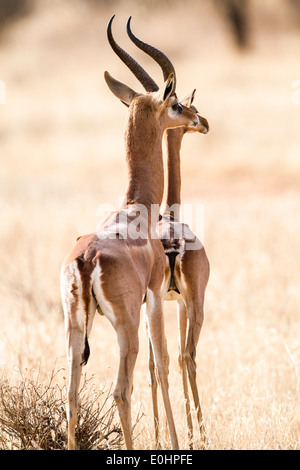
x: 86, y: 352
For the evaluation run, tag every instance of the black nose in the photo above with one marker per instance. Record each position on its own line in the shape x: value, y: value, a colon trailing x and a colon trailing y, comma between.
x: 204, y: 123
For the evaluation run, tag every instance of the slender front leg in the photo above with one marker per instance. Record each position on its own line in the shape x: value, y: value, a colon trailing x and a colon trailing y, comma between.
x: 155, y: 325
x: 182, y: 321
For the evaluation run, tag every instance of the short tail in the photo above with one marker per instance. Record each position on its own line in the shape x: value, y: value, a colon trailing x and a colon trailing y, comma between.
x: 86, y: 351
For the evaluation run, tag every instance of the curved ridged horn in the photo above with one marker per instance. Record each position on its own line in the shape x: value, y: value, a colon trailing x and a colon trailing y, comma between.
x: 158, y: 56
x: 135, y: 68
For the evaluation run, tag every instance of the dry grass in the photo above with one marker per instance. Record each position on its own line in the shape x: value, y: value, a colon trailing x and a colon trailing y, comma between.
x: 61, y: 150
x: 33, y: 415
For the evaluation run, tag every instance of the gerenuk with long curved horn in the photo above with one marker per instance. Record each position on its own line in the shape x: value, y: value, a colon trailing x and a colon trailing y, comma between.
x: 131, y: 63
x: 157, y: 55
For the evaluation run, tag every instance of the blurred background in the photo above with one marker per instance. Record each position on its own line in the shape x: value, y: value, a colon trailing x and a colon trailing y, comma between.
x: 240, y: 55
x: 62, y: 156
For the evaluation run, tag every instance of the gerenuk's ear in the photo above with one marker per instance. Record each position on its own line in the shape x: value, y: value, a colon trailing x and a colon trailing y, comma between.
x: 187, y: 100
x: 169, y: 87
x: 121, y: 91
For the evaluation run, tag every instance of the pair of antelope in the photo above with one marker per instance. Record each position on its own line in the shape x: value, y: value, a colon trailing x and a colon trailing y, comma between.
x: 115, y: 272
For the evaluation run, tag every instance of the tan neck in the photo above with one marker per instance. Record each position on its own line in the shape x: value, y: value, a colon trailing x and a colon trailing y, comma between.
x: 173, y: 140
x: 143, y: 145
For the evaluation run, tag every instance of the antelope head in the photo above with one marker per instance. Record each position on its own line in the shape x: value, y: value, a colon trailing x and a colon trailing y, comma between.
x: 168, y: 68
x: 163, y: 103
x: 202, y: 126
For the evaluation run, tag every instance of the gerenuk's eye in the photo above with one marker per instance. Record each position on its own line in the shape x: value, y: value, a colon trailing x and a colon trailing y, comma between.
x: 177, y: 107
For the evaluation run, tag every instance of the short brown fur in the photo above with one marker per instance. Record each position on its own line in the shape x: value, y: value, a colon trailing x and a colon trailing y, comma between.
x: 186, y: 276
x: 114, y: 273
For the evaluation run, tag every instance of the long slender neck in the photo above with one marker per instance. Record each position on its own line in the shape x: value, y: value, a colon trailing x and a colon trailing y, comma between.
x: 173, y: 140
x: 143, y: 143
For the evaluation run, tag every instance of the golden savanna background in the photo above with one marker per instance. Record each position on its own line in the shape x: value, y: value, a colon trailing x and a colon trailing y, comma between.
x: 62, y: 158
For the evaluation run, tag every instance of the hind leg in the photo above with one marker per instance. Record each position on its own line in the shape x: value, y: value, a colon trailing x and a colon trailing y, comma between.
x: 153, y: 383
x: 182, y: 321
x: 157, y: 336
x: 75, y: 346
x: 195, y: 274
x: 127, y: 333
x: 195, y: 316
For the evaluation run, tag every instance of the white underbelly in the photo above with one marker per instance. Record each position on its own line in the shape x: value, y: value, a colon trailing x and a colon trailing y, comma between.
x: 172, y: 295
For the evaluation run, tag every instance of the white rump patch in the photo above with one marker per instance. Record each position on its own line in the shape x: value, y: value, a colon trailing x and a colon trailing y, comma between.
x: 104, y: 304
